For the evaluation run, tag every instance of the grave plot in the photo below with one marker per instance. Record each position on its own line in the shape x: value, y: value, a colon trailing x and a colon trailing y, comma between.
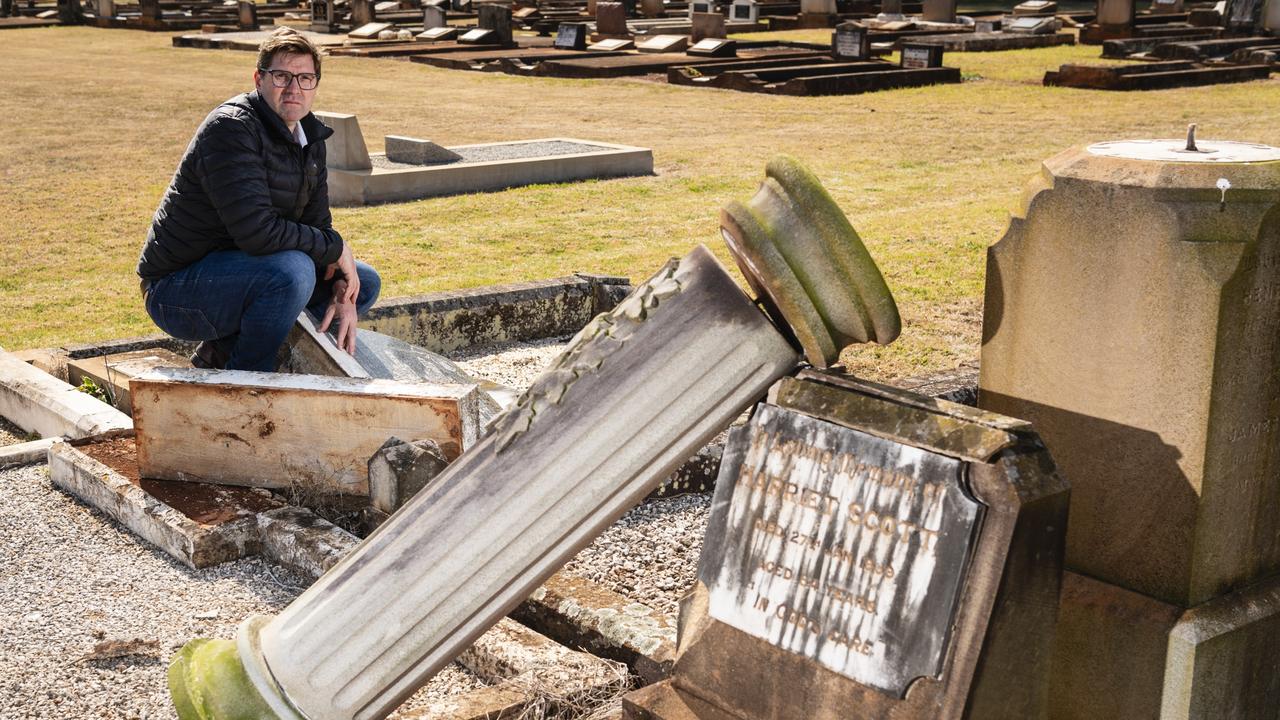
x: 1152, y: 75
x: 411, y: 169
x: 642, y: 63
x: 919, y: 65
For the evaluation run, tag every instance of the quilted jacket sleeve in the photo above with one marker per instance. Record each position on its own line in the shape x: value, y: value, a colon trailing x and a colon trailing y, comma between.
x: 233, y: 176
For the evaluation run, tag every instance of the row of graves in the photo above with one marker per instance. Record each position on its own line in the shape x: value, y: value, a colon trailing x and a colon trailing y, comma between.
x: 1096, y: 538
x: 1230, y: 41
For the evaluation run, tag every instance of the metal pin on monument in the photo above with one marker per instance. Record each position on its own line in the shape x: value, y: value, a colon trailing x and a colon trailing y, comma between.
x: 1191, y: 138
x: 638, y: 390
x: 1224, y: 185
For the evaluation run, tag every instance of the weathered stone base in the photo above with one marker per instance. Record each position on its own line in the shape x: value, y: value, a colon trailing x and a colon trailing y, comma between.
x: 1120, y: 654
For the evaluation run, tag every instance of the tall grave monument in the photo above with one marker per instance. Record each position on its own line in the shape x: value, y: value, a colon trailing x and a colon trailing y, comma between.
x: 640, y: 389
x: 1133, y: 315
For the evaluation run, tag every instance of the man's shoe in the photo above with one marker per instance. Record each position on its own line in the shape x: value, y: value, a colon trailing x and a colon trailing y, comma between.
x: 208, y: 356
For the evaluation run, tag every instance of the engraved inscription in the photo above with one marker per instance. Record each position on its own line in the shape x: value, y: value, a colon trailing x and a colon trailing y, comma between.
x: 841, y: 546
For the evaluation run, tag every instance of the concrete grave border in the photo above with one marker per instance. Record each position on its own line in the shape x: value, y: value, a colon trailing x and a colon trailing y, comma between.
x: 38, y: 402
x: 439, y: 321
x: 168, y: 529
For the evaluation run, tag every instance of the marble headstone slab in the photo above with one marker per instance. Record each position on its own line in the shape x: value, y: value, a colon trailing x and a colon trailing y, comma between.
x: 840, y: 546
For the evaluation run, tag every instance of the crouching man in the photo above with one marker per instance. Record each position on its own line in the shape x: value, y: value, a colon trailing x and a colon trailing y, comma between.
x: 243, y: 240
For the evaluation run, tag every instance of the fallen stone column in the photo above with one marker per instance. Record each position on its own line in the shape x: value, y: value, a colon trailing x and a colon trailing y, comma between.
x: 640, y: 389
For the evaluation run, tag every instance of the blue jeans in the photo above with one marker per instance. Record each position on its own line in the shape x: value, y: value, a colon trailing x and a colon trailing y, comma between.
x: 246, y: 304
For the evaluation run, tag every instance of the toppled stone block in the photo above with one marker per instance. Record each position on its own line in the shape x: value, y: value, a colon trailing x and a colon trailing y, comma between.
x: 418, y: 152
x: 398, y: 470
x: 302, y: 541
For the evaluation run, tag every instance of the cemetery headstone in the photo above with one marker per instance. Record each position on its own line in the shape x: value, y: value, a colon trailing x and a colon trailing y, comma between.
x: 480, y: 36
x: 1270, y: 18
x: 150, y: 12
x: 701, y: 6
x: 102, y: 8
x: 612, y: 45
x: 664, y: 44
x: 1116, y: 13
x: 920, y: 55
x: 940, y: 11
x: 1032, y: 25
x: 498, y: 19
x: 745, y: 11
x: 850, y: 41
x: 369, y: 31
x: 891, y: 8
x: 1243, y: 17
x: 247, y: 15
x: 362, y: 13
x: 1163, y: 7
x: 1035, y: 7
x: 70, y: 12
x: 706, y: 25
x: 1174, y: 484
x: 591, y: 8
x: 571, y: 36
x: 713, y: 47
x: 345, y: 149
x: 463, y: 6
x: 323, y: 17
x: 433, y: 16
x: 653, y: 8
x: 437, y: 34
x: 817, y: 7
x: 986, y: 26
x: 877, y: 553
x: 611, y: 20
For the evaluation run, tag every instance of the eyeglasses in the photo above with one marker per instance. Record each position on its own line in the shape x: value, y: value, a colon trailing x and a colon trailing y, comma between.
x: 282, y: 78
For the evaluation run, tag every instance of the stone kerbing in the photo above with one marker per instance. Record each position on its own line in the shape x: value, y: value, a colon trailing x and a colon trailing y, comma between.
x: 194, y: 544
x: 39, y: 402
x: 27, y: 452
x: 579, y: 612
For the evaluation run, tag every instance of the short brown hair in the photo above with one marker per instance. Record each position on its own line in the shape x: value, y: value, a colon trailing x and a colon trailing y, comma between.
x: 290, y: 42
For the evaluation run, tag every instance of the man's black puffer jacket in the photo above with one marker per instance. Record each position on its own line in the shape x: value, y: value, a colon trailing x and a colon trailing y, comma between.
x: 244, y: 182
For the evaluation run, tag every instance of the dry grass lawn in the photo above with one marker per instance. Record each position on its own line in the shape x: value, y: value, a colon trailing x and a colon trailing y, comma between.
x: 92, y: 123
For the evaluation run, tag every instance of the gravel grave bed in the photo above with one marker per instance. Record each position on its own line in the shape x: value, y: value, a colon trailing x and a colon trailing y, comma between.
x: 11, y: 434
x: 651, y: 554
x: 514, y: 364
x: 72, y: 579
x: 491, y: 153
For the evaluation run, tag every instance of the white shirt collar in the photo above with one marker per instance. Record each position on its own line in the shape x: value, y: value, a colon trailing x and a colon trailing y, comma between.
x: 298, y: 134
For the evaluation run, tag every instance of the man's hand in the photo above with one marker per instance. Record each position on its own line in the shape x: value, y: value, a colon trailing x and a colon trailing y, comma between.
x: 347, y: 264
x: 346, y: 314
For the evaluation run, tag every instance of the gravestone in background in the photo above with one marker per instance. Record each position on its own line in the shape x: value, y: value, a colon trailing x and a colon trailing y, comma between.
x: 571, y: 36
x: 323, y: 18
x: 942, y: 11
x: 1131, y: 314
x: 150, y: 12
x: 871, y: 553
x: 247, y: 15
x: 433, y: 16
x: 611, y: 20
x: 498, y: 19
x: 850, y: 41
x: 744, y: 11
x: 362, y: 13
x: 1243, y: 17
x: 706, y: 25
x: 653, y: 8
